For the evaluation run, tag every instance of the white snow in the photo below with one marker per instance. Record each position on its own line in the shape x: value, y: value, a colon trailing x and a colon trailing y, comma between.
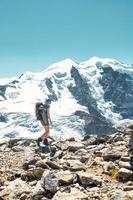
x: 115, y: 64
x: 94, y: 60
x: 4, y: 81
x: 31, y: 89
x: 92, y: 75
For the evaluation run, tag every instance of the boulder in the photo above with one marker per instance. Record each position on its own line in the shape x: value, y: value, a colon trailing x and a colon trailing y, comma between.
x: 111, y: 156
x: 17, y: 148
x: 58, y: 155
x: 75, y: 165
x: 42, y: 164
x: 73, y: 194
x: 81, y: 152
x: 50, y: 182
x: 38, y: 191
x: 74, y: 146
x: 32, y: 174
x: 53, y: 164
x: 118, y: 196
x: 15, y: 189
x: 127, y: 165
x: 65, y: 177
x: 90, y: 139
x: 125, y: 174
x: 87, y: 179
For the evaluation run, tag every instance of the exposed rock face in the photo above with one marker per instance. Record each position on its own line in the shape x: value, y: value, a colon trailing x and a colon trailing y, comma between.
x: 3, y: 118
x: 3, y: 90
x: 94, y: 124
x: 117, y: 87
x: 89, y: 172
x: 94, y: 121
x: 48, y: 82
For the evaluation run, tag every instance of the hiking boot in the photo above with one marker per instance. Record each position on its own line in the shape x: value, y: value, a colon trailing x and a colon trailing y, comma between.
x: 45, y: 149
x: 53, y: 151
x: 45, y: 142
x: 38, y: 141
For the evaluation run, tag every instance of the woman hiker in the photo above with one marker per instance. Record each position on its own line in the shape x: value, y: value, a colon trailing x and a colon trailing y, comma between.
x: 44, y: 117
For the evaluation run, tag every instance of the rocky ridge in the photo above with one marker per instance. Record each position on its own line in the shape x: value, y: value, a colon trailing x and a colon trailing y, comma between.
x: 97, y: 168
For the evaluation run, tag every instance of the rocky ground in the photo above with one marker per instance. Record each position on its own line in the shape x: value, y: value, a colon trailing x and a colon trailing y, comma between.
x: 97, y: 168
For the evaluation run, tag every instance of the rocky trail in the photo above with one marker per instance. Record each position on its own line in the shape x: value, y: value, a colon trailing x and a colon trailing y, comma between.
x: 97, y: 168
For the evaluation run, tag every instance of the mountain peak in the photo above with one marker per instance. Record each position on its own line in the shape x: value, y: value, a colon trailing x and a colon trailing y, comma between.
x: 63, y: 66
x: 67, y: 63
x: 93, y: 60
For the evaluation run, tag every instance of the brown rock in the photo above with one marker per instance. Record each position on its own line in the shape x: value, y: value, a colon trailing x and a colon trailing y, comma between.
x: 53, y: 164
x: 126, y: 165
x: 74, y: 146
x: 89, y: 179
x: 42, y: 164
x: 15, y: 189
x: 111, y: 156
x: 74, y: 194
x: 31, y: 174
x: 65, y: 177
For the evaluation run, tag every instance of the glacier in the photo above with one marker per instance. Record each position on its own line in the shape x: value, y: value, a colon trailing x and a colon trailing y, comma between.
x: 91, y: 97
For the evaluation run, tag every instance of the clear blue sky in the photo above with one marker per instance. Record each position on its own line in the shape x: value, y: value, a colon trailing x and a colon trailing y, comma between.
x: 37, y: 33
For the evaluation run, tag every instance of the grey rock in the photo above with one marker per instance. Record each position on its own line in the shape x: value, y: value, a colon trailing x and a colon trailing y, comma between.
x: 75, y: 165
x: 117, y: 195
x: 37, y: 192
x: 81, y: 152
x: 17, y: 149
x: 58, y: 155
x: 50, y: 182
x: 125, y: 174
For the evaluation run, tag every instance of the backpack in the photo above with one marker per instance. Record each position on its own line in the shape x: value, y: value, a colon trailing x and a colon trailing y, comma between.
x: 38, y: 109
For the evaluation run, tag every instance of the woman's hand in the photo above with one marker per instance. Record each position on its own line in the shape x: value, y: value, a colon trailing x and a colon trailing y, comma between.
x: 50, y: 121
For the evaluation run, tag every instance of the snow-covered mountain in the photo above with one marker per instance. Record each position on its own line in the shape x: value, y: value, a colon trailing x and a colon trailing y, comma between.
x: 90, y: 97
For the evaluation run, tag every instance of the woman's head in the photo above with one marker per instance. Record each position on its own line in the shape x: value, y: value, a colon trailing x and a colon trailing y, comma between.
x: 48, y: 101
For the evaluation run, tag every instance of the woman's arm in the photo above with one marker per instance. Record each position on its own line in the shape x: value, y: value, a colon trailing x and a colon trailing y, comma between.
x: 49, y: 116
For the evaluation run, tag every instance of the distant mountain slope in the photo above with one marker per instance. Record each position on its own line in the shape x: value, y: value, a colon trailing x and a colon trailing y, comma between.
x: 90, y: 97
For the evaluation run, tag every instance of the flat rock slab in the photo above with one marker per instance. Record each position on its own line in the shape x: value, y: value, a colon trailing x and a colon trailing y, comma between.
x: 74, y: 194
x: 127, y: 165
x: 75, y: 165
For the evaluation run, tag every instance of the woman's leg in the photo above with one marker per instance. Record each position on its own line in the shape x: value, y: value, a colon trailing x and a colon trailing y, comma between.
x: 46, y: 133
x: 44, y: 136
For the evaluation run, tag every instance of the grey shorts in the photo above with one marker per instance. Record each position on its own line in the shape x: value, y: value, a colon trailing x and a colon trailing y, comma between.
x: 44, y: 121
